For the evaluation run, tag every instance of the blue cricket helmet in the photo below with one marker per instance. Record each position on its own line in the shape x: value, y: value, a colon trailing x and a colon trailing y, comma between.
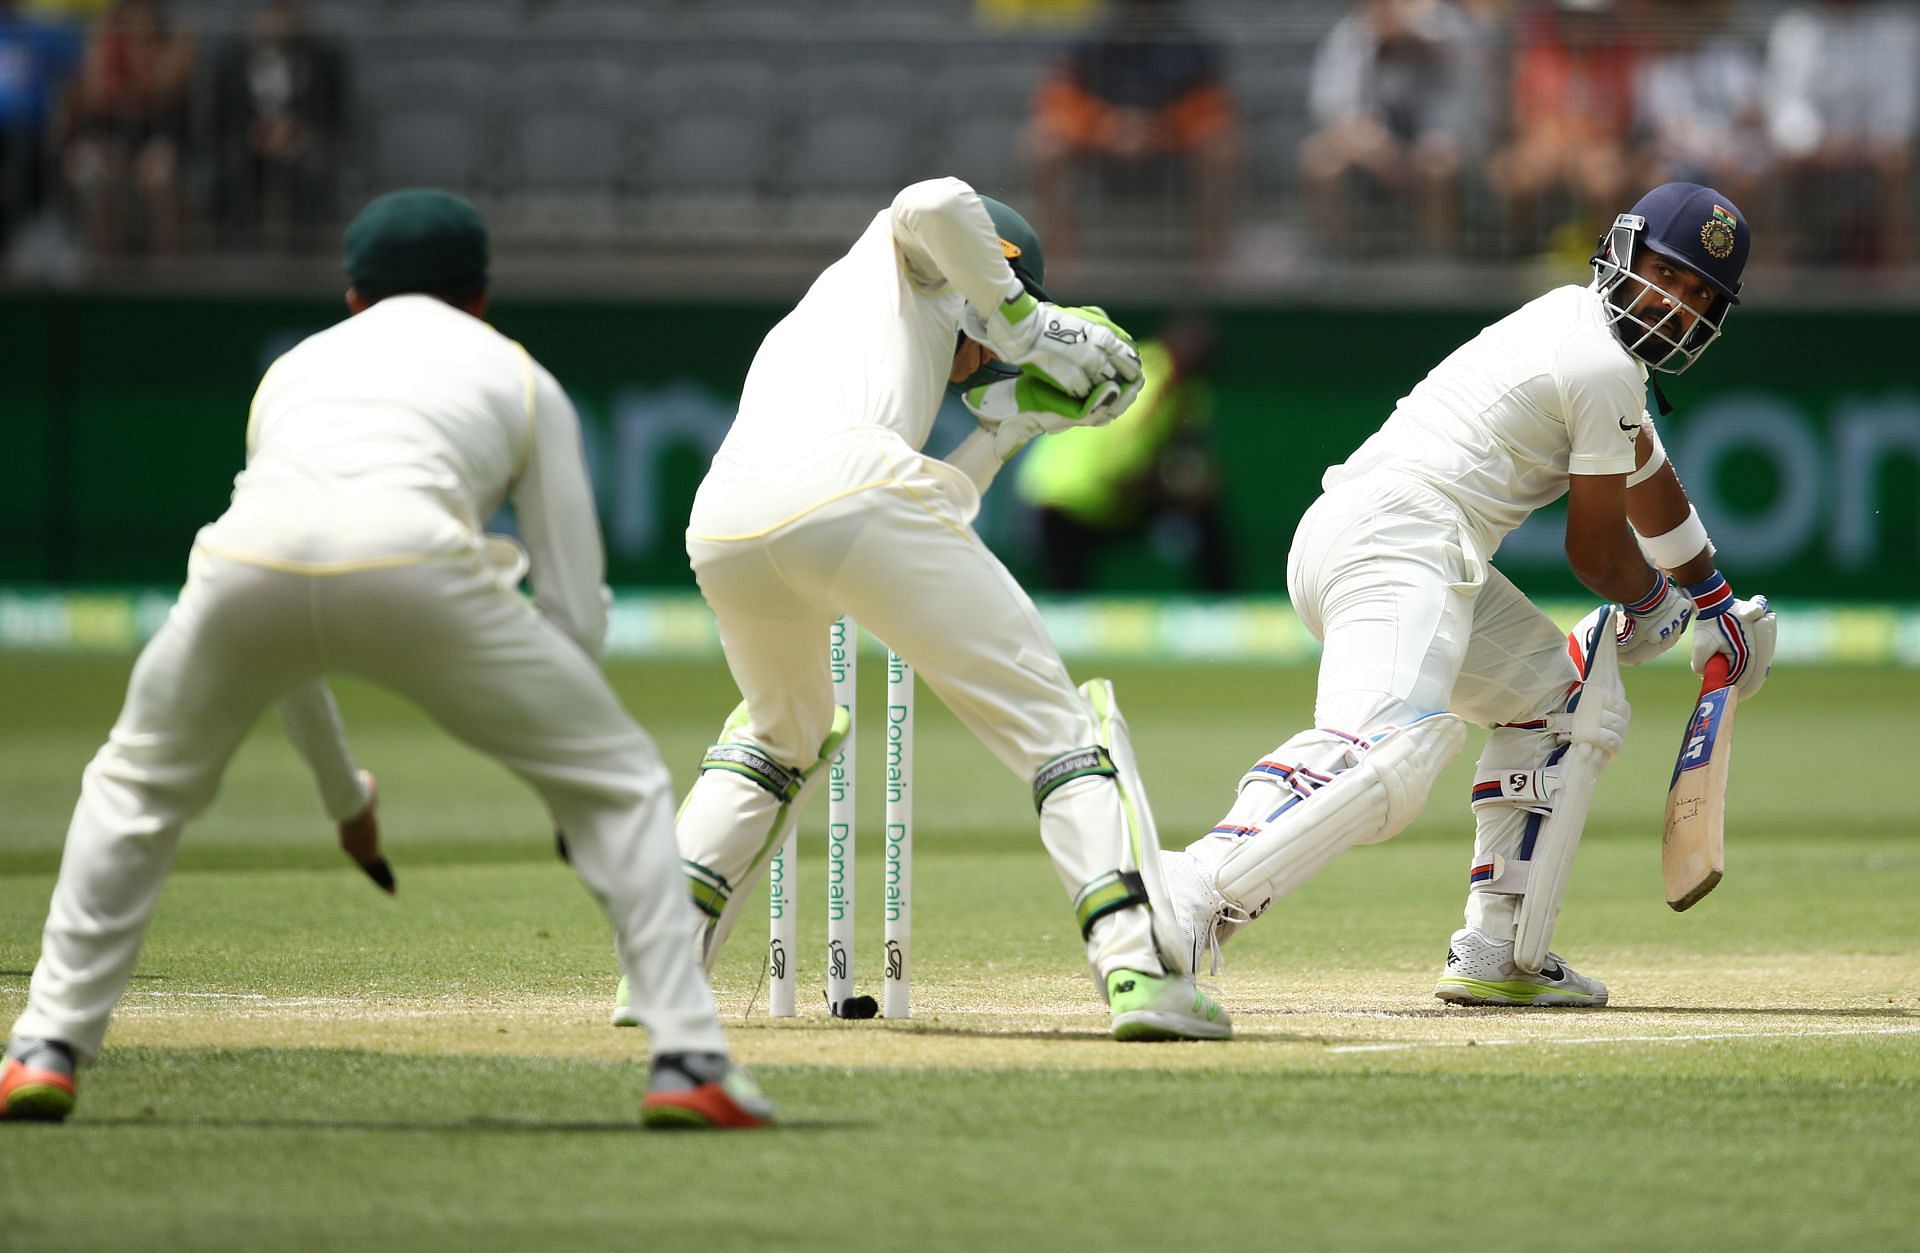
x: 1690, y: 225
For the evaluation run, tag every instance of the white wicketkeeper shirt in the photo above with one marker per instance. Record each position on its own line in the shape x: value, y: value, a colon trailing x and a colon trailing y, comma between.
x: 1498, y: 426
x: 844, y: 390
x: 393, y: 436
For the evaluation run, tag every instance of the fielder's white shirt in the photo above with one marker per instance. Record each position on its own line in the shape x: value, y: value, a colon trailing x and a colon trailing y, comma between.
x: 1498, y: 426
x: 844, y: 390
x: 393, y: 436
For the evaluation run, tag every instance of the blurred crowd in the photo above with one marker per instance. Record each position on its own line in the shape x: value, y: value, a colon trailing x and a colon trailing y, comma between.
x: 119, y: 125
x: 1477, y: 129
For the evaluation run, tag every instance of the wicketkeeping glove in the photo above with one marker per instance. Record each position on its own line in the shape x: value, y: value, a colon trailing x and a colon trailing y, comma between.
x: 1654, y: 624
x: 1073, y: 349
x: 1743, y: 631
x: 1018, y: 409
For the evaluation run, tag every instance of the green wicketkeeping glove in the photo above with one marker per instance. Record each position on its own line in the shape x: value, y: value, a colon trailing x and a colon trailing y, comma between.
x: 1018, y: 409
x: 1073, y: 349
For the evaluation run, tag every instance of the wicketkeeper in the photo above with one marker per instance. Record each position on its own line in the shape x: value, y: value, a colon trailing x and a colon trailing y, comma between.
x: 1390, y: 568
x: 820, y: 503
x: 376, y: 450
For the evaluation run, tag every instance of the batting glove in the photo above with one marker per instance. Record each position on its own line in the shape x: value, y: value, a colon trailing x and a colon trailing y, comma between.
x: 1073, y: 349
x: 1653, y: 624
x: 1742, y: 631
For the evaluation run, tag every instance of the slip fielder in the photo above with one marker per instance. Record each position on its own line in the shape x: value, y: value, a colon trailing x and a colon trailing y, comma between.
x: 1390, y: 569
x: 376, y: 450
x: 820, y: 504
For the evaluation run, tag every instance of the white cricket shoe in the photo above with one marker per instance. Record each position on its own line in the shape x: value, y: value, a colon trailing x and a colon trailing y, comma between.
x: 1480, y: 971
x: 1206, y: 919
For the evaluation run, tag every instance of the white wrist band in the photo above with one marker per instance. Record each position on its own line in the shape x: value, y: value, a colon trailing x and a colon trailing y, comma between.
x: 1677, y: 547
x: 1655, y: 459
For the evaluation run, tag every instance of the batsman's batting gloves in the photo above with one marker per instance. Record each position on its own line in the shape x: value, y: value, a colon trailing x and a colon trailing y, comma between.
x: 1654, y: 623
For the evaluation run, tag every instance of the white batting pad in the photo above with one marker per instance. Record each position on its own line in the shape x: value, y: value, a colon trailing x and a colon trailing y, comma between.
x: 1596, y: 730
x: 1370, y: 801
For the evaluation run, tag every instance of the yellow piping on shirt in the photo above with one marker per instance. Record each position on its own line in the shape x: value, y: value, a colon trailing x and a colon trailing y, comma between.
x: 325, y: 567
x: 917, y: 498
x: 793, y: 518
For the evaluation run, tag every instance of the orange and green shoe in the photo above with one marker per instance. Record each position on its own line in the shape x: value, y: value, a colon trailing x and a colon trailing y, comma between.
x: 37, y: 1081
x: 703, y: 1091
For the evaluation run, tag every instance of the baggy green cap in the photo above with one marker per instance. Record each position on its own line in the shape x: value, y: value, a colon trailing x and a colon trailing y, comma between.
x: 417, y: 241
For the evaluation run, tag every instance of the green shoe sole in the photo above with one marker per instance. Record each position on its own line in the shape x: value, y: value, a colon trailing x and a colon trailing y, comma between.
x: 1152, y: 1028
x: 674, y: 1118
x: 39, y: 1103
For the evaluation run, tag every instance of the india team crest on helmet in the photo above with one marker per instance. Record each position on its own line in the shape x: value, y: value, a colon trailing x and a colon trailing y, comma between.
x: 1717, y: 235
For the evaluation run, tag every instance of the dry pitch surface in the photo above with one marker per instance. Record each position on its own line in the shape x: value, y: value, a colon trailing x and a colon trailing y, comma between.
x: 1356, y: 1020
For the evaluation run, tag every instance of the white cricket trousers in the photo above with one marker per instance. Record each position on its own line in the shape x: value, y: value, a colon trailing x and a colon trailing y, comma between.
x: 1414, y: 621
x: 904, y: 562
x: 443, y: 633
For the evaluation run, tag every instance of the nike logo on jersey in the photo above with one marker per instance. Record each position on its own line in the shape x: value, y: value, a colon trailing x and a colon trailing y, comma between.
x: 1631, y: 428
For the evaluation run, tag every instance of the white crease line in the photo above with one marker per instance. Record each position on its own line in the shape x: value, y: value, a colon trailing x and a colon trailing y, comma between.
x: 1405, y: 1045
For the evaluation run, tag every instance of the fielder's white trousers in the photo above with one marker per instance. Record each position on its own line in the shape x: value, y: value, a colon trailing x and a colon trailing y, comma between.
x: 443, y: 633
x: 1385, y: 573
x: 902, y: 559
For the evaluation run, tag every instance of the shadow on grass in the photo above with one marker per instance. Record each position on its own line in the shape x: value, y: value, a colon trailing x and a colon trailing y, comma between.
x: 480, y: 1126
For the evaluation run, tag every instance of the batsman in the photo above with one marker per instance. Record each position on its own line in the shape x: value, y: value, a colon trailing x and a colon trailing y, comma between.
x: 1390, y: 568
x: 820, y: 503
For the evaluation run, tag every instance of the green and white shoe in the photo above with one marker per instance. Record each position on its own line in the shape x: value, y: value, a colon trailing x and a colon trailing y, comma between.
x: 1163, y: 1007
x: 623, y: 1015
x: 1480, y: 971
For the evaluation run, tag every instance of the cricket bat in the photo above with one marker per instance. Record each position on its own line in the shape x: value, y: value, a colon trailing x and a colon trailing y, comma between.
x: 1692, y: 847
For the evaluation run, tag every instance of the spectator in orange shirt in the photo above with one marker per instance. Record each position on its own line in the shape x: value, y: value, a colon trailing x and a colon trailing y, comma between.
x: 1572, y: 117
x: 1142, y: 107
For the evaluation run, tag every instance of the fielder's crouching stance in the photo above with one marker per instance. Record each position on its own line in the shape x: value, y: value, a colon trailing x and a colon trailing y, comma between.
x: 376, y: 450
x: 820, y: 503
x: 1390, y: 569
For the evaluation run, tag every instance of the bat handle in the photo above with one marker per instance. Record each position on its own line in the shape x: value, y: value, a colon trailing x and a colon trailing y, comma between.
x: 1715, y: 676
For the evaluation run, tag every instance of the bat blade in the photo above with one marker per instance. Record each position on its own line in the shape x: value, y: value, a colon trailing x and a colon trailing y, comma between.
x: 1693, y: 844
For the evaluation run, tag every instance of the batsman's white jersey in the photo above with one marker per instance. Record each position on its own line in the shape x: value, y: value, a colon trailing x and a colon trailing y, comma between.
x: 1497, y: 427
x: 820, y: 503
x: 1390, y: 569
x: 376, y: 450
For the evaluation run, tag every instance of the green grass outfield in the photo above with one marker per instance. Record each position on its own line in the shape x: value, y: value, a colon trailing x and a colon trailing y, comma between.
x: 305, y: 1064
